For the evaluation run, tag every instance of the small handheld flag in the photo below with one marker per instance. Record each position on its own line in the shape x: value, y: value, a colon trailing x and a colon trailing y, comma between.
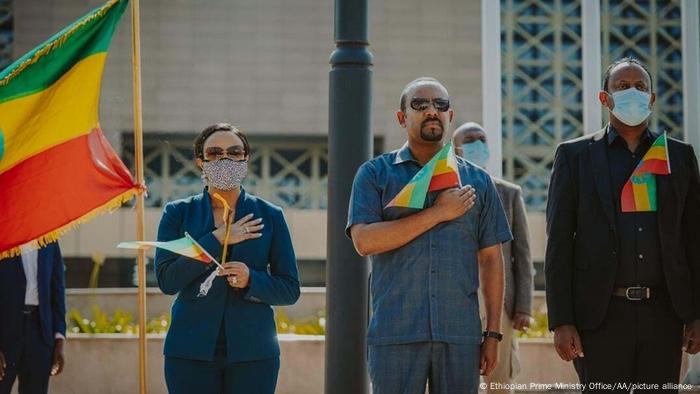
x: 639, y: 192
x: 206, y: 285
x: 439, y: 173
x: 185, y: 246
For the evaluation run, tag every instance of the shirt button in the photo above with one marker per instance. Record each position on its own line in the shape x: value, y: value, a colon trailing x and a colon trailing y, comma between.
x: 432, y: 271
x: 432, y: 295
x: 640, y: 229
x: 641, y: 256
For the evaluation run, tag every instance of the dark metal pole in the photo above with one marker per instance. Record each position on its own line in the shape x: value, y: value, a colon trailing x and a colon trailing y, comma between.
x: 350, y: 145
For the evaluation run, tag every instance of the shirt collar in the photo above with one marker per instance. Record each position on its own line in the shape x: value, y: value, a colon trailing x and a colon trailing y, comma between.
x: 612, y: 135
x: 404, y: 154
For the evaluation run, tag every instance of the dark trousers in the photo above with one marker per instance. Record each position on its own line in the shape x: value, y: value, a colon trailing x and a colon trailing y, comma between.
x: 639, y: 342
x: 184, y: 376
x: 32, y: 362
x: 447, y: 368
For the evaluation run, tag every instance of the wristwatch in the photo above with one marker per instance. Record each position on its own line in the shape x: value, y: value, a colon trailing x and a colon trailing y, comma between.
x: 493, y: 334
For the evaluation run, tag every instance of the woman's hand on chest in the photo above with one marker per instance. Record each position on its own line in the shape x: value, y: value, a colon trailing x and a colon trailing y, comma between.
x: 243, y: 229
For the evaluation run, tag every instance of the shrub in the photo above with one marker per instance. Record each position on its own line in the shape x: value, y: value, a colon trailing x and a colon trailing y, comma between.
x: 314, y: 325
x: 539, y: 328
x: 121, y: 322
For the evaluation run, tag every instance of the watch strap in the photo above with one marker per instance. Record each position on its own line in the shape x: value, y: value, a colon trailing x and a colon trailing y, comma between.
x: 493, y: 334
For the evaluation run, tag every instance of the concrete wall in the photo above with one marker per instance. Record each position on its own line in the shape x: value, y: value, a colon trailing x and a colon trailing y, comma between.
x: 263, y: 64
x: 106, y: 364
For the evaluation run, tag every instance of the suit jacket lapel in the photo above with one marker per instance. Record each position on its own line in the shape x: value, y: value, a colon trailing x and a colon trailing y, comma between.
x: 21, y: 276
x: 43, y: 270
x: 665, y: 196
x: 205, y: 215
x: 601, y: 175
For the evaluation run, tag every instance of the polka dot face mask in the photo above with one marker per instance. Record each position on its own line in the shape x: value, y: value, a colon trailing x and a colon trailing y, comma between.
x: 224, y: 174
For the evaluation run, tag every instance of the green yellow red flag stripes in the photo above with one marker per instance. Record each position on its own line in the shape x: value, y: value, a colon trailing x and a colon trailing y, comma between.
x: 185, y: 246
x: 439, y: 173
x: 639, y: 192
x: 57, y: 169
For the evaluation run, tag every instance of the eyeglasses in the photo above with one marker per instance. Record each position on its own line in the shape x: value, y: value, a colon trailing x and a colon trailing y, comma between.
x: 235, y: 152
x: 421, y: 104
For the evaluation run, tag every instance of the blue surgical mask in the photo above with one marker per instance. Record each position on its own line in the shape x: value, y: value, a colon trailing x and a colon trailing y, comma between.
x: 477, y: 152
x: 632, y: 106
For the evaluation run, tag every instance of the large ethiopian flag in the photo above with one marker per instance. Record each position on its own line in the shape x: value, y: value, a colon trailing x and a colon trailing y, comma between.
x: 56, y: 167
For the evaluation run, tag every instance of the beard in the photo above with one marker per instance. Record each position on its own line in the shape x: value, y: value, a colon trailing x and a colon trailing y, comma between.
x: 431, y: 133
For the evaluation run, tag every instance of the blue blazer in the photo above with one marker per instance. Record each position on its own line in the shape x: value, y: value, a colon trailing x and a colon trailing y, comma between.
x: 246, y: 315
x: 52, y: 298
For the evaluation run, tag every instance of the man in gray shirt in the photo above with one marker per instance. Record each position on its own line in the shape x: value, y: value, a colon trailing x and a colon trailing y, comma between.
x: 470, y: 142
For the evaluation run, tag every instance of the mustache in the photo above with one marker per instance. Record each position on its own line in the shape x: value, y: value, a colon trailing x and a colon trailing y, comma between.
x: 432, y: 120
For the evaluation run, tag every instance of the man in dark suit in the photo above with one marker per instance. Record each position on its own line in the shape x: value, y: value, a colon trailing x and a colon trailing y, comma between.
x: 471, y: 143
x: 32, y: 319
x: 623, y: 288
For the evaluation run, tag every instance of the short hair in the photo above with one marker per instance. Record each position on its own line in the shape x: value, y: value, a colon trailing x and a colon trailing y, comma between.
x: 608, y: 71
x: 469, y: 126
x: 206, y: 133
x: 417, y: 81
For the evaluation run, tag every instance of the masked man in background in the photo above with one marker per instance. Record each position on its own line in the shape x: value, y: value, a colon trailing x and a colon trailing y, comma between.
x: 471, y: 143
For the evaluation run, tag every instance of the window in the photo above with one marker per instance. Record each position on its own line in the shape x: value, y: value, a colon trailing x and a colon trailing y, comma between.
x: 651, y: 32
x: 290, y: 171
x: 113, y: 272
x: 542, y: 89
x: 541, y: 49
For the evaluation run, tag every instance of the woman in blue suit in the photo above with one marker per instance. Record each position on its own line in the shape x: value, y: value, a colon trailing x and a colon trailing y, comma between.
x: 225, y: 342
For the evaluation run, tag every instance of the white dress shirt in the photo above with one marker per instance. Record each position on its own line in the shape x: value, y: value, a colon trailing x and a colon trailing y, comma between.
x: 30, y: 263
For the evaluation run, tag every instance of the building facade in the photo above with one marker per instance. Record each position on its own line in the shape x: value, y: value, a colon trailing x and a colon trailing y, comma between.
x: 529, y: 70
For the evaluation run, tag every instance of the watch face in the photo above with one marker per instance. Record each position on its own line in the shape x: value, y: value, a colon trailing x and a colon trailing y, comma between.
x: 492, y: 334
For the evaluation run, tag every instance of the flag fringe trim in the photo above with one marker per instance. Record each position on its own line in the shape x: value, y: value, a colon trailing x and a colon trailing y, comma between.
x: 56, y: 43
x: 54, y: 235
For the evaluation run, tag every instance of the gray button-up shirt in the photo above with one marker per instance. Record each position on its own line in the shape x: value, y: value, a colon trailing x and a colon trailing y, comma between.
x: 426, y: 290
